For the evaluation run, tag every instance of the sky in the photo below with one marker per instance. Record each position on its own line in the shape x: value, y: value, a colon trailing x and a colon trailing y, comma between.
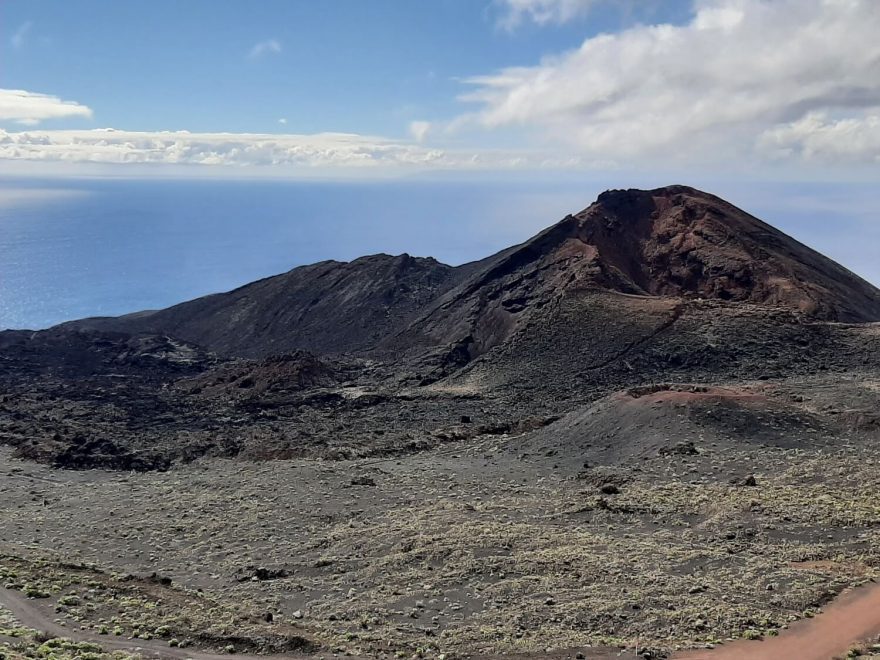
x: 528, y: 107
x: 771, y: 89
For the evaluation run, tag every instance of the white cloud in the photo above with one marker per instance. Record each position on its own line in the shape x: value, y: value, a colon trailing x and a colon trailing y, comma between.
x: 30, y: 108
x: 283, y: 120
x: 419, y: 130
x: 542, y: 11
x: 739, y: 75
x: 19, y: 37
x: 268, y: 47
x: 818, y: 138
x: 330, y: 151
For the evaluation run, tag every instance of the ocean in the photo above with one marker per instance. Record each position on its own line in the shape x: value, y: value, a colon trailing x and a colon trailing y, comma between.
x: 76, y: 248
x: 71, y: 248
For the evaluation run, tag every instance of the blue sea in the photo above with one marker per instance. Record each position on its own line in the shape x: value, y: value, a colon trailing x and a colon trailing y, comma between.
x: 71, y: 248
x: 76, y: 248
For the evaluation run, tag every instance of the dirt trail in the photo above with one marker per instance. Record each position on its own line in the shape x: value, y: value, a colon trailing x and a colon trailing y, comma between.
x: 849, y: 620
x: 30, y: 615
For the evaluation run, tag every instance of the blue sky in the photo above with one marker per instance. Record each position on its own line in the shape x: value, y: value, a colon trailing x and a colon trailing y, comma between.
x: 292, y: 88
x: 774, y: 104
x: 341, y: 66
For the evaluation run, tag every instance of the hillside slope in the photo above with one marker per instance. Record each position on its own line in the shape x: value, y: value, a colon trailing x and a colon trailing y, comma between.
x: 327, y: 307
x: 674, y: 242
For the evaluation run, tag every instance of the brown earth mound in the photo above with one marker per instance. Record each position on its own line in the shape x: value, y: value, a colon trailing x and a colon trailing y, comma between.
x: 674, y: 419
x: 675, y: 242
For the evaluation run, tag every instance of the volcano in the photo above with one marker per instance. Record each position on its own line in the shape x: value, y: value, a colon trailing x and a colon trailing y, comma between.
x: 672, y: 242
x: 642, y: 414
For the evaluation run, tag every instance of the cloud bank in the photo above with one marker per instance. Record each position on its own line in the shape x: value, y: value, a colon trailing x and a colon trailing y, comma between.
x: 743, y: 84
x: 744, y: 78
x: 818, y: 138
x: 285, y: 151
x: 31, y: 108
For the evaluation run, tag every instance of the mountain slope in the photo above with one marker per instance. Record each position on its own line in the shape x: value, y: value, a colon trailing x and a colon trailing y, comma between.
x: 326, y: 307
x: 665, y: 286
x: 673, y: 242
x: 678, y: 240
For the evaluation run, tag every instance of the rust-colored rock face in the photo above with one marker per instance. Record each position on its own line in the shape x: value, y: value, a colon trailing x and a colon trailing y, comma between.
x: 679, y: 241
x: 673, y: 242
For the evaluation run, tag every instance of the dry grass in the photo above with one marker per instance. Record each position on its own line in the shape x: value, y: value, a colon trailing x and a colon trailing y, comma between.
x: 471, y: 553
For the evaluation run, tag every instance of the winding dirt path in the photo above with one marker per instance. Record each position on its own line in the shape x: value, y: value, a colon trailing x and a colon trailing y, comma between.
x: 849, y: 620
x: 29, y: 614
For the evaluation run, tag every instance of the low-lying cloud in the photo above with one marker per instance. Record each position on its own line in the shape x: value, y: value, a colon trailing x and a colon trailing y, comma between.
x: 818, y: 138
x: 317, y: 151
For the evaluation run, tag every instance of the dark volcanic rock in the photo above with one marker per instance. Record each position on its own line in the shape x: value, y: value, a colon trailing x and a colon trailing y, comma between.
x: 328, y: 307
x: 673, y: 241
x: 254, y: 379
x: 387, y: 355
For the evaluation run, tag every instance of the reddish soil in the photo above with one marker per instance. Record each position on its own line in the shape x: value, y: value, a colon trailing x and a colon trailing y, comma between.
x: 677, y: 240
x: 674, y: 394
x: 850, y: 620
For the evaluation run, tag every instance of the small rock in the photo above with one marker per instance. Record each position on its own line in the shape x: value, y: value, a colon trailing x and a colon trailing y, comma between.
x: 363, y: 480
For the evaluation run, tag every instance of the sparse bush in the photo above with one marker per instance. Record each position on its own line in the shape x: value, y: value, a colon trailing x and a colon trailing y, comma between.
x: 32, y: 591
